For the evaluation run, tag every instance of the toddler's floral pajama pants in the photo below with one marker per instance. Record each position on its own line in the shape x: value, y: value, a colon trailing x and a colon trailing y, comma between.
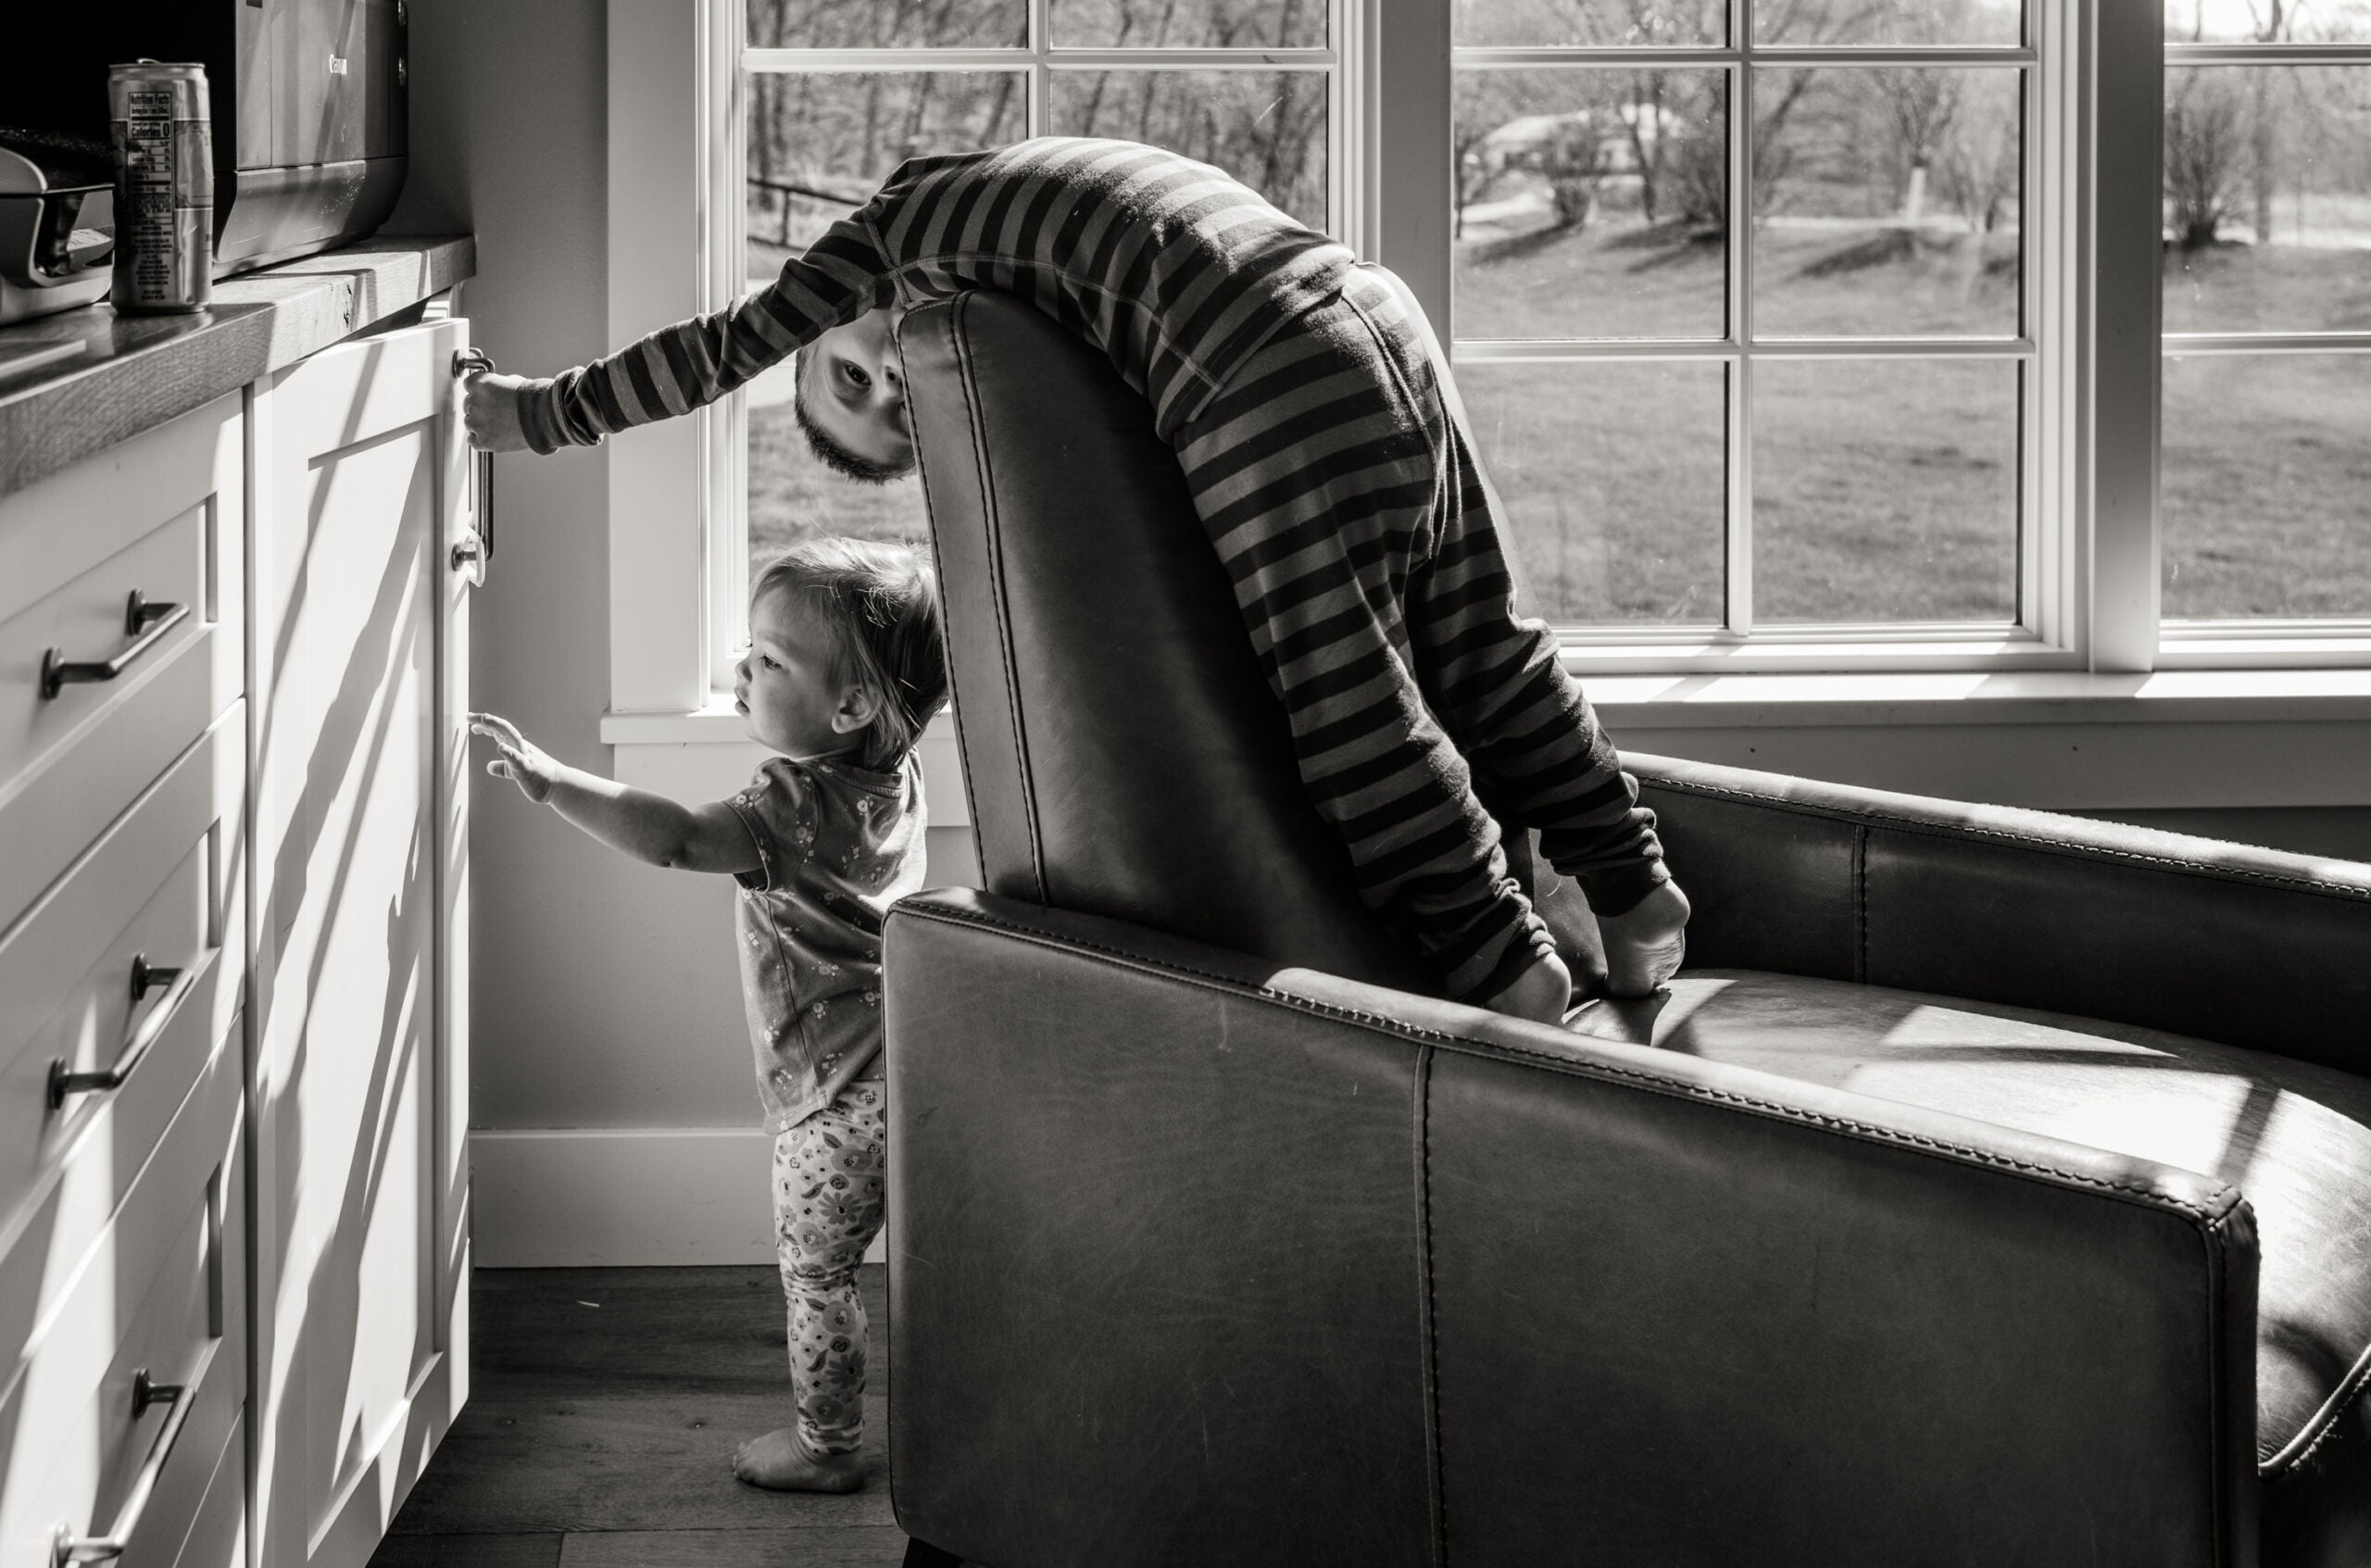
x: 828, y: 1207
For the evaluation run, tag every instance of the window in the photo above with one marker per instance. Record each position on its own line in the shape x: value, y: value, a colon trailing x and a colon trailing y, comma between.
x: 2267, y: 464
x: 1796, y: 334
x: 1739, y: 311
x: 826, y: 97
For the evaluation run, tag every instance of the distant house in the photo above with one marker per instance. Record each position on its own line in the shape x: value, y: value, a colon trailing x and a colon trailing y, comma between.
x: 1598, y: 140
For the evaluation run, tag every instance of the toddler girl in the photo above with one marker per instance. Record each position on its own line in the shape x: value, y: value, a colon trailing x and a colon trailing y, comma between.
x: 845, y: 667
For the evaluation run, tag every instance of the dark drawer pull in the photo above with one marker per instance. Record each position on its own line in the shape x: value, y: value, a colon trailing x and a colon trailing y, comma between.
x: 66, y: 1546
x: 63, y: 1081
x: 142, y: 621
x: 146, y: 977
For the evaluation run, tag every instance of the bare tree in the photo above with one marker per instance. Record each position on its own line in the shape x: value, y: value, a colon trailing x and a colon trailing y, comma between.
x: 1572, y: 160
x: 1977, y: 162
x: 2201, y: 154
x: 1921, y: 105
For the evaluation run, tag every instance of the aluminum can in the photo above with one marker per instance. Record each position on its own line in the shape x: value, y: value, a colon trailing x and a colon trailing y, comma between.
x: 164, y: 188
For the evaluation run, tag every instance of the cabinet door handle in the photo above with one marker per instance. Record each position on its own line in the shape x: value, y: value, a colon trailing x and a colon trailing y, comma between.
x: 65, y: 1545
x: 146, y: 977
x: 63, y: 1081
x: 475, y: 554
x: 143, y: 622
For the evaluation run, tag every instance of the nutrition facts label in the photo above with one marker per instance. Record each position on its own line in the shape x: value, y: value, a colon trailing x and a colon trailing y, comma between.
x: 164, y: 199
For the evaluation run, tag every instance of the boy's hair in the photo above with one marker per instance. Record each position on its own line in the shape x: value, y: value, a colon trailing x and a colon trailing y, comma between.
x: 879, y: 604
x: 828, y: 451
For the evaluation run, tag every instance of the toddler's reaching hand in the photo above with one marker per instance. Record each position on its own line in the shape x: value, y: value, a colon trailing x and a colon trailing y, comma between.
x: 523, y: 762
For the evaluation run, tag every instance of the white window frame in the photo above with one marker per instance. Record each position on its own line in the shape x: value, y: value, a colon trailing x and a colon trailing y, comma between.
x: 2286, y: 733
x: 2264, y: 642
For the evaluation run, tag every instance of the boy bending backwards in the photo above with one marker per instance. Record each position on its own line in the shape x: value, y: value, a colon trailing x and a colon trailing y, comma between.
x: 1326, y: 456
x: 845, y: 667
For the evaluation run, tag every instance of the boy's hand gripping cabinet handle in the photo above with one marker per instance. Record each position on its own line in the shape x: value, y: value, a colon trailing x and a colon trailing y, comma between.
x: 475, y: 554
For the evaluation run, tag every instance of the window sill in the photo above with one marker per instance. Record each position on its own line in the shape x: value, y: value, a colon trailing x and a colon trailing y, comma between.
x: 2062, y: 740
x: 1711, y: 701
x: 1706, y: 701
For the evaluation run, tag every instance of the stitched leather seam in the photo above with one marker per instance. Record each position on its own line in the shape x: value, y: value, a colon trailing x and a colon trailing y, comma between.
x: 2029, y: 841
x: 938, y: 565
x: 2212, y: 1241
x: 1861, y: 905
x: 2226, y: 1196
x: 1429, y: 1307
x: 2300, y: 1449
x: 997, y: 588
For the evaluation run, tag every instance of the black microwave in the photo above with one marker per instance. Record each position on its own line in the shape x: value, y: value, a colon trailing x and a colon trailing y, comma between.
x: 307, y: 98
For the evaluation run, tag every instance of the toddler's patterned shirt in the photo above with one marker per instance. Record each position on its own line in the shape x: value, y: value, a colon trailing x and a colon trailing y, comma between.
x: 837, y: 845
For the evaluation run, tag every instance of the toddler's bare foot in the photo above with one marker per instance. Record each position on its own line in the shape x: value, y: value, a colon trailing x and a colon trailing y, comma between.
x: 780, y: 1461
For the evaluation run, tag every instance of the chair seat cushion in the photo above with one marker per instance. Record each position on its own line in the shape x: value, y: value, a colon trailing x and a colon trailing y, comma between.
x: 2293, y: 1136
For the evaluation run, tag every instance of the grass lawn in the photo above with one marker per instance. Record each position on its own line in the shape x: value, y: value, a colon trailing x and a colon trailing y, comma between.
x: 1884, y: 490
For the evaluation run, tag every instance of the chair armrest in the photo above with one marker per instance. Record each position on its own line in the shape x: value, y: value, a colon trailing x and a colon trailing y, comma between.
x: 2249, y: 946
x: 1242, y: 1264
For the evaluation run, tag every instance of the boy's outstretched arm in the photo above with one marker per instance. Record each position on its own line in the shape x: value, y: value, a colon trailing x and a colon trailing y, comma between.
x: 678, y: 368
x: 649, y: 827
x: 490, y: 410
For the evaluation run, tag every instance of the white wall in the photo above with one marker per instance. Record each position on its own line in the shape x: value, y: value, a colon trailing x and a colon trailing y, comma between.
x: 606, y: 992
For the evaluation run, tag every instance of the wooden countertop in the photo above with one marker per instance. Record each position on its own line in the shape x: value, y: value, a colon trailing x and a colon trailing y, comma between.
x: 127, y: 374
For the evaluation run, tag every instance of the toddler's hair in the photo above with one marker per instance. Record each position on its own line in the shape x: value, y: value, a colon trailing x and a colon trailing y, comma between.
x: 880, y: 605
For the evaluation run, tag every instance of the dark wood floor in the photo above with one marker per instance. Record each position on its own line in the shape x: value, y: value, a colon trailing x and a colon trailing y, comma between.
x: 605, y: 1405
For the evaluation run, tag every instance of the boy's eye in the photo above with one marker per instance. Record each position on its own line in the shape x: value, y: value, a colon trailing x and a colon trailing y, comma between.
x: 768, y: 662
x: 857, y: 378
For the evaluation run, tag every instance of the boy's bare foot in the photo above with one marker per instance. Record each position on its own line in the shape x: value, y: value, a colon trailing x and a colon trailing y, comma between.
x: 1542, y: 992
x: 1646, y: 947
x: 780, y: 1462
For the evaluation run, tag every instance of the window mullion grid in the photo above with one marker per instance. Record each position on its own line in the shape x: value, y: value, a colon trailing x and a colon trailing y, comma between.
x: 920, y: 58
x: 2036, y: 234
x: 2265, y: 641
x: 1040, y: 77
x: 1738, y: 433
x: 2267, y: 54
x: 722, y: 430
x: 1341, y: 204
x: 1741, y: 348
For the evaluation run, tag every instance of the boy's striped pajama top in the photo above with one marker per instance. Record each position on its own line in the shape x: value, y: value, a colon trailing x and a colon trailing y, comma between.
x: 1341, y: 494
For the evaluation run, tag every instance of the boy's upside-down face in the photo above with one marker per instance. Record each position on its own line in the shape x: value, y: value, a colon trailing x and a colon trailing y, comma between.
x: 851, y: 398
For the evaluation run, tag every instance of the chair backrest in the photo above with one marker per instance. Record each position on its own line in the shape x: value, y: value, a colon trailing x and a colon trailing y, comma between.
x: 1123, y: 752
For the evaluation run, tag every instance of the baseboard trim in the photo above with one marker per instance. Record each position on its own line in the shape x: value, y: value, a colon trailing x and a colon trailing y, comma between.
x: 622, y: 1196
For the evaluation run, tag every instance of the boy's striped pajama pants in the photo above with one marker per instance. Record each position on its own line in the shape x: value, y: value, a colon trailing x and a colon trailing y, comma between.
x: 1343, y: 498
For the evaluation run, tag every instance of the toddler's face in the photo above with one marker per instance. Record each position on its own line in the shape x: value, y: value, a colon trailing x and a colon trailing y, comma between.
x: 854, y: 386
x: 785, y: 687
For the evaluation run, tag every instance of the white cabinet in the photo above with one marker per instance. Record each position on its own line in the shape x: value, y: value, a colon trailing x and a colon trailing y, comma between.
x: 357, y: 1067
x: 233, y: 885
x: 123, y: 1345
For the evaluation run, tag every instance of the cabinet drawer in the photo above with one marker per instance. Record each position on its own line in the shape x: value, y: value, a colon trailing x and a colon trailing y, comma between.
x: 161, y: 517
x: 217, y: 1538
x: 163, y: 883
x: 161, y: 1291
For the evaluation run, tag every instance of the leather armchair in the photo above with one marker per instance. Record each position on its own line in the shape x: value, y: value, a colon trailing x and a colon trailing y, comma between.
x: 1994, y: 1188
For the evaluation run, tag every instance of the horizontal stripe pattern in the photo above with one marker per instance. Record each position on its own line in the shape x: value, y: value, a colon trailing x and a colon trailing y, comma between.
x: 1353, y: 520
x: 1173, y: 269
